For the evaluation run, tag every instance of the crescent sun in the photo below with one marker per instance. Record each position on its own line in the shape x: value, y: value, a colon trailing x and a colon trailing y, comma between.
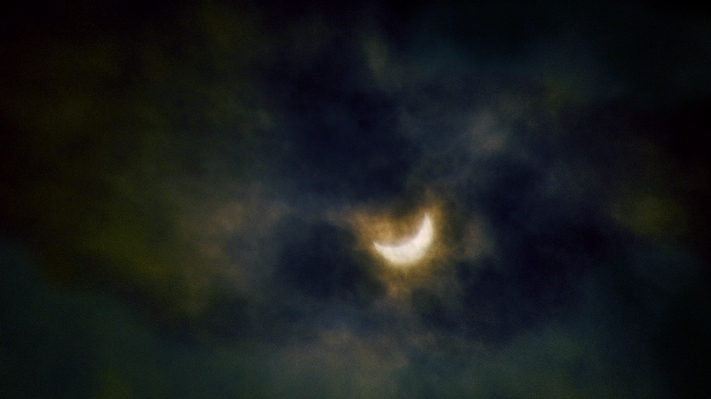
x: 412, y: 249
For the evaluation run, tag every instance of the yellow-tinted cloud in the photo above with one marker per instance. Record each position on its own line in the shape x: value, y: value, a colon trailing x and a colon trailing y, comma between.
x: 653, y: 217
x: 104, y: 186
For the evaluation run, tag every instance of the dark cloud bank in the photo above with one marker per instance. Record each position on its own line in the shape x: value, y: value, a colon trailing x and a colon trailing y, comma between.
x: 179, y: 180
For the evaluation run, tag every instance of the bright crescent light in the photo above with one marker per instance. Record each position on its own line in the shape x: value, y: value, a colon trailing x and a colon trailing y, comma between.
x: 412, y: 249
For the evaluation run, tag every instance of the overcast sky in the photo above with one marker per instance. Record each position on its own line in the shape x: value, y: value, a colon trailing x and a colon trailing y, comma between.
x: 191, y: 193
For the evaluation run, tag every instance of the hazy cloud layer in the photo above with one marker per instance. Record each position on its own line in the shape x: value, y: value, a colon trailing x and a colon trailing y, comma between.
x: 191, y: 192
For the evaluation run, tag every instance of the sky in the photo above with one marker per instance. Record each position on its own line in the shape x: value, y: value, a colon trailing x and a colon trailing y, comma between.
x: 191, y: 193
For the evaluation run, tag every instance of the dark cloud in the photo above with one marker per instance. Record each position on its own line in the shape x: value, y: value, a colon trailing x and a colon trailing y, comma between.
x: 190, y: 196
x: 322, y: 117
x: 319, y: 261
